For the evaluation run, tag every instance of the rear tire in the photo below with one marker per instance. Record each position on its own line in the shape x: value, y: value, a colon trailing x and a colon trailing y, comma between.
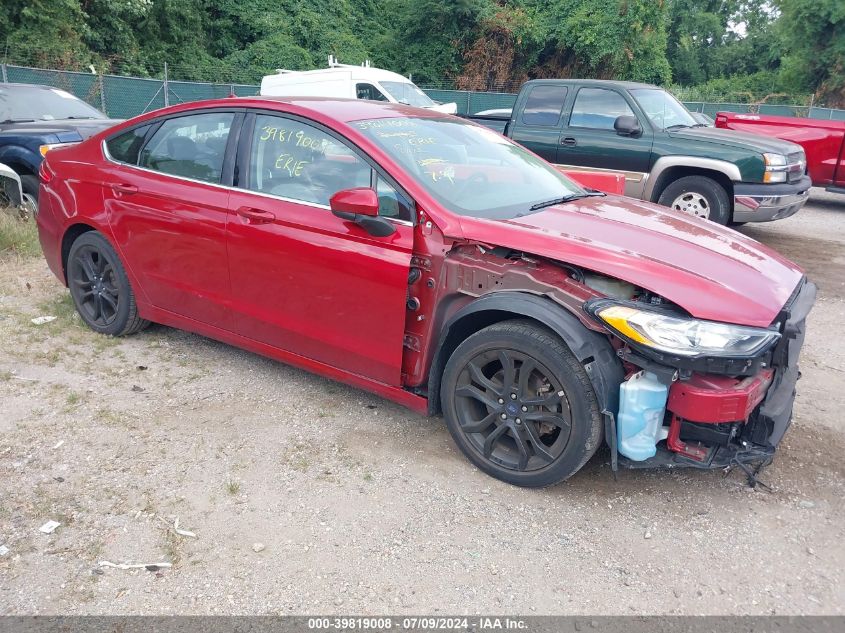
x: 519, y: 405
x: 699, y: 196
x: 100, y: 287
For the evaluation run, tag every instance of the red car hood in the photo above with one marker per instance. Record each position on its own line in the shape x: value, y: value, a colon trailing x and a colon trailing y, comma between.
x: 711, y: 271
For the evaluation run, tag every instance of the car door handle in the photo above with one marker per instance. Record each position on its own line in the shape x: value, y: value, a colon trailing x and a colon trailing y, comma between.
x: 568, y: 141
x: 256, y: 215
x: 124, y: 188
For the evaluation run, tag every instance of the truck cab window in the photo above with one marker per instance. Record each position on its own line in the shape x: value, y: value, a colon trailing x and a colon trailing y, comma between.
x: 598, y: 108
x: 543, y: 105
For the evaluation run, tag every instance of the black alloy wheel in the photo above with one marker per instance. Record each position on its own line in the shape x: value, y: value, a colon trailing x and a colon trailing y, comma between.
x: 100, y: 288
x: 519, y: 404
x: 513, y: 410
x: 92, y: 280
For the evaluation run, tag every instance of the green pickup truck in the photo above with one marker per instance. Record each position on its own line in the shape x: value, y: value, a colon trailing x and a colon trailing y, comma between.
x: 665, y: 155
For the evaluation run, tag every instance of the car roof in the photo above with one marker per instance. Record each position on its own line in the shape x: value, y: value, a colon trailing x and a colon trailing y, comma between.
x: 19, y: 85
x: 343, y: 110
x: 362, y: 72
x: 608, y: 82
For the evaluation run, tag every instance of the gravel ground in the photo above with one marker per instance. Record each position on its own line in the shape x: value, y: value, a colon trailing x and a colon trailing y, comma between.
x: 356, y: 505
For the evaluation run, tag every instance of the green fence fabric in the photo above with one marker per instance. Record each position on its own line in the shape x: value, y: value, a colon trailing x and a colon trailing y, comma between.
x: 125, y: 97
x: 473, y: 102
x: 130, y: 96
x: 86, y: 86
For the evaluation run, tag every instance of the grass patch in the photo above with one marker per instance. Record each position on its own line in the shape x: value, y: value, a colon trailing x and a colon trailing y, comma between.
x: 18, y: 237
x: 233, y: 486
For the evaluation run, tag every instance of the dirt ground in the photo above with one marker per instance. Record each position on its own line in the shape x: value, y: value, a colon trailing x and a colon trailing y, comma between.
x: 359, y: 506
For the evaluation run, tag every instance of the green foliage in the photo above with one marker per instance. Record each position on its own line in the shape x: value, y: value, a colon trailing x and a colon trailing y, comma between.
x: 814, y: 34
x: 623, y: 39
x: 758, y: 47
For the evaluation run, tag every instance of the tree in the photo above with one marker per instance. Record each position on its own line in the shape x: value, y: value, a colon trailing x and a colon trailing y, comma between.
x: 46, y: 33
x: 619, y: 39
x: 813, y: 32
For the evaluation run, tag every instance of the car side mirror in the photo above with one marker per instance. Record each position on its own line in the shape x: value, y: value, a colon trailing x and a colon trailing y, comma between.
x: 360, y: 205
x: 627, y: 125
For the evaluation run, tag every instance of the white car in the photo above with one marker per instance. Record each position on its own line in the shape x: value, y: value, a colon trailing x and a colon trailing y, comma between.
x: 350, y: 82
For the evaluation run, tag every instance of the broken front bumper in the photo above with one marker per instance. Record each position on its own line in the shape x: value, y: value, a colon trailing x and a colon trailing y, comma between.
x: 764, y: 203
x: 720, y: 420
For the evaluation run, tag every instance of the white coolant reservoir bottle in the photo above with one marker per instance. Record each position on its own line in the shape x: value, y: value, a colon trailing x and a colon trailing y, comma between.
x: 642, y: 404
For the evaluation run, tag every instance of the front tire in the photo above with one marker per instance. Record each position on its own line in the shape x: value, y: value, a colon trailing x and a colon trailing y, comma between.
x: 29, y: 186
x: 519, y: 405
x: 100, y: 288
x: 699, y: 196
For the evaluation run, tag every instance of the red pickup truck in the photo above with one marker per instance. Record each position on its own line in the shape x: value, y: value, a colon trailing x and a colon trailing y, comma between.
x: 823, y: 142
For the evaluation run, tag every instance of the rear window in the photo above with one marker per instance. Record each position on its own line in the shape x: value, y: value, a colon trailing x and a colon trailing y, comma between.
x: 543, y: 105
x: 125, y: 147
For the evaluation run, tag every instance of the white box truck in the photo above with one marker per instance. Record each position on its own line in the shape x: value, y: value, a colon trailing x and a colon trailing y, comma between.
x: 350, y: 82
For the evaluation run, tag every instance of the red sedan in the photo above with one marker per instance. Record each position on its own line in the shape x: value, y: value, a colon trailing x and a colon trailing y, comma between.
x: 438, y: 264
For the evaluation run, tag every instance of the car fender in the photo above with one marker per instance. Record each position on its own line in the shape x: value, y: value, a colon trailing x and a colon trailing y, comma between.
x: 728, y: 169
x: 592, y: 349
x: 19, y: 155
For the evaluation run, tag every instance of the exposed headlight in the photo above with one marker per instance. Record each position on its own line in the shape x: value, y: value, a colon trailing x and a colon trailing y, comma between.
x: 683, y: 336
x: 775, y: 168
x: 46, y: 148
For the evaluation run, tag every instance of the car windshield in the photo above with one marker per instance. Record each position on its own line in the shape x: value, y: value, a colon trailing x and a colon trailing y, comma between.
x: 663, y: 109
x: 34, y: 103
x: 471, y: 170
x: 406, y: 92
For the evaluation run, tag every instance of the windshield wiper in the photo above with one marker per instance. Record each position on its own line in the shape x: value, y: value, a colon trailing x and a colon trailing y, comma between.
x: 572, y: 196
x: 17, y: 121
x: 70, y: 118
x: 678, y: 126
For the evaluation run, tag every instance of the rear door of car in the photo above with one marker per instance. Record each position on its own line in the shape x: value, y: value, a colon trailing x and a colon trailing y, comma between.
x: 537, y: 119
x: 167, y: 201
x: 304, y: 280
x: 589, y: 140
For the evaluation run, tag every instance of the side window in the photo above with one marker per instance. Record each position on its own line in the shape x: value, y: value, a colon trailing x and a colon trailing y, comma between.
x: 392, y: 203
x: 598, y: 108
x: 295, y: 160
x: 125, y: 147
x: 369, y: 91
x: 543, y: 105
x: 190, y: 146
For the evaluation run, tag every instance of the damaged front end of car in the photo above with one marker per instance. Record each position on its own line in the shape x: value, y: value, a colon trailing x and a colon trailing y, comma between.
x: 720, y: 395
x: 674, y: 390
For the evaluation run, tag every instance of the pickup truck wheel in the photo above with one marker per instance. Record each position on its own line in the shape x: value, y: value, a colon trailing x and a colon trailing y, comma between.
x: 699, y: 196
x: 100, y: 288
x: 519, y: 404
x: 29, y: 185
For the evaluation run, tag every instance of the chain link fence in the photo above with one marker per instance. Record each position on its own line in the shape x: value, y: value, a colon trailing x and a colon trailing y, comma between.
x: 122, y: 97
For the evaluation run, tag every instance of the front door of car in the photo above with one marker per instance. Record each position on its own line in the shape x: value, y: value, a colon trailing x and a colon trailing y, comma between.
x: 304, y: 280
x: 167, y: 209
x: 590, y: 140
